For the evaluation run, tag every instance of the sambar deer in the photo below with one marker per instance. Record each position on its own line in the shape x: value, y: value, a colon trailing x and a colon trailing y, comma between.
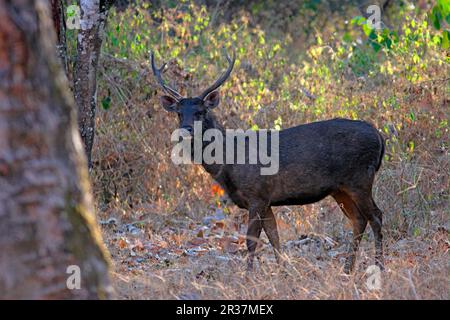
x: 337, y: 157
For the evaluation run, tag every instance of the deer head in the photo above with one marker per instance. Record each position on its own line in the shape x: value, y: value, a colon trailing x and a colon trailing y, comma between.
x: 191, y: 109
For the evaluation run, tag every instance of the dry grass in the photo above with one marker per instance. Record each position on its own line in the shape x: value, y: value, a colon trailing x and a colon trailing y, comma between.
x: 416, y: 254
x: 416, y: 268
x: 159, y: 208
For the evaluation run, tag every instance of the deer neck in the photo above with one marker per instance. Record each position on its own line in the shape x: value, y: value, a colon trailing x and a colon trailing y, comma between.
x: 211, y: 122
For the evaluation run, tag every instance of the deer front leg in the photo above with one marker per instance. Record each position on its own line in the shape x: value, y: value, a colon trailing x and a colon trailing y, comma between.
x: 253, y: 232
x: 271, y: 230
x: 376, y: 225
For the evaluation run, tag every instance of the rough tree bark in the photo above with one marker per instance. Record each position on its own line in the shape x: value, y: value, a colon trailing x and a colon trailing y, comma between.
x: 90, y: 38
x: 59, y: 23
x: 46, y: 210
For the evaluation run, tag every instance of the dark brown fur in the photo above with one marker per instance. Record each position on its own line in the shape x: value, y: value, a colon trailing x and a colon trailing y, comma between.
x: 336, y: 157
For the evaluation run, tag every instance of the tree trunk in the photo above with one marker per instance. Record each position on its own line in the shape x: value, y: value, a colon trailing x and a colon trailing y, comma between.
x: 90, y: 37
x: 46, y: 211
x: 60, y: 28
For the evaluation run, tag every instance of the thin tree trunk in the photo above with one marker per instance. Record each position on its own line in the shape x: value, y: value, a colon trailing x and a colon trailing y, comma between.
x: 46, y: 211
x: 60, y: 28
x: 90, y: 37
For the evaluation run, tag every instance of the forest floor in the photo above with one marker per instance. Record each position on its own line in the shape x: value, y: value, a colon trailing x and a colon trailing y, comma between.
x: 162, y: 257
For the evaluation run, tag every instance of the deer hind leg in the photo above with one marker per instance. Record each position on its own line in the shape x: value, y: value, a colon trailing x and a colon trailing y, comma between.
x: 255, y: 226
x: 359, y: 223
x: 373, y: 214
x: 271, y: 230
x: 375, y: 217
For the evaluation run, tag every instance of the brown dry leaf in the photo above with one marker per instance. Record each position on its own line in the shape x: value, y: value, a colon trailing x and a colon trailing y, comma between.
x: 229, y: 244
x: 178, y: 251
x: 200, y: 234
x: 216, y: 190
x: 177, y: 238
x: 220, y: 224
x: 231, y: 247
x: 221, y: 242
x: 191, y: 226
x: 122, y: 243
x: 163, y: 244
x: 154, y: 249
x: 138, y: 245
x: 202, y: 252
x: 282, y: 225
x: 198, y: 241
x: 241, y: 239
x: 234, y: 226
x: 182, y: 259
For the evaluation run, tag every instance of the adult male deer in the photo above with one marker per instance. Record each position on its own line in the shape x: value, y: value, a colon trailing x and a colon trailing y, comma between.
x: 336, y: 157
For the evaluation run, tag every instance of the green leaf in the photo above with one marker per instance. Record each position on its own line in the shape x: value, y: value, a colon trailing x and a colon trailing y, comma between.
x: 367, y: 30
x: 436, y: 17
x: 319, y: 40
x: 358, y: 20
x: 70, y: 11
x: 445, y: 7
x: 411, y: 146
x: 115, y: 41
x: 106, y: 103
x: 445, y: 39
x: 347, y: 37
x: 374, y: 41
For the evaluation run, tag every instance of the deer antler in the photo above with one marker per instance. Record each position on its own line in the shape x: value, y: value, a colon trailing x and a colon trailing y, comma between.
x: 157, y: 72
x: 222, y: 78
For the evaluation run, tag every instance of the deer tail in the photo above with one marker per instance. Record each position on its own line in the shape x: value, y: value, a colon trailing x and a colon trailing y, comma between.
x: 382, y: 150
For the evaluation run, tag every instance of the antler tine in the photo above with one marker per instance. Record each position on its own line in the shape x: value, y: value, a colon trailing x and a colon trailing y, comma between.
x: 223, y: 77
x: 157, y: 73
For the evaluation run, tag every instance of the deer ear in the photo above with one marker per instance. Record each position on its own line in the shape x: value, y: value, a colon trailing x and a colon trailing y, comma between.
x: 168, y: 103
x: 212, y: 100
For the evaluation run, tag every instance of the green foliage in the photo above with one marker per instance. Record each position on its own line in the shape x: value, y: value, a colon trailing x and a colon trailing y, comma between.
x: 348, y: 73
x: 440, y: 13
x: 439, y: 16
x: 106, y: 103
